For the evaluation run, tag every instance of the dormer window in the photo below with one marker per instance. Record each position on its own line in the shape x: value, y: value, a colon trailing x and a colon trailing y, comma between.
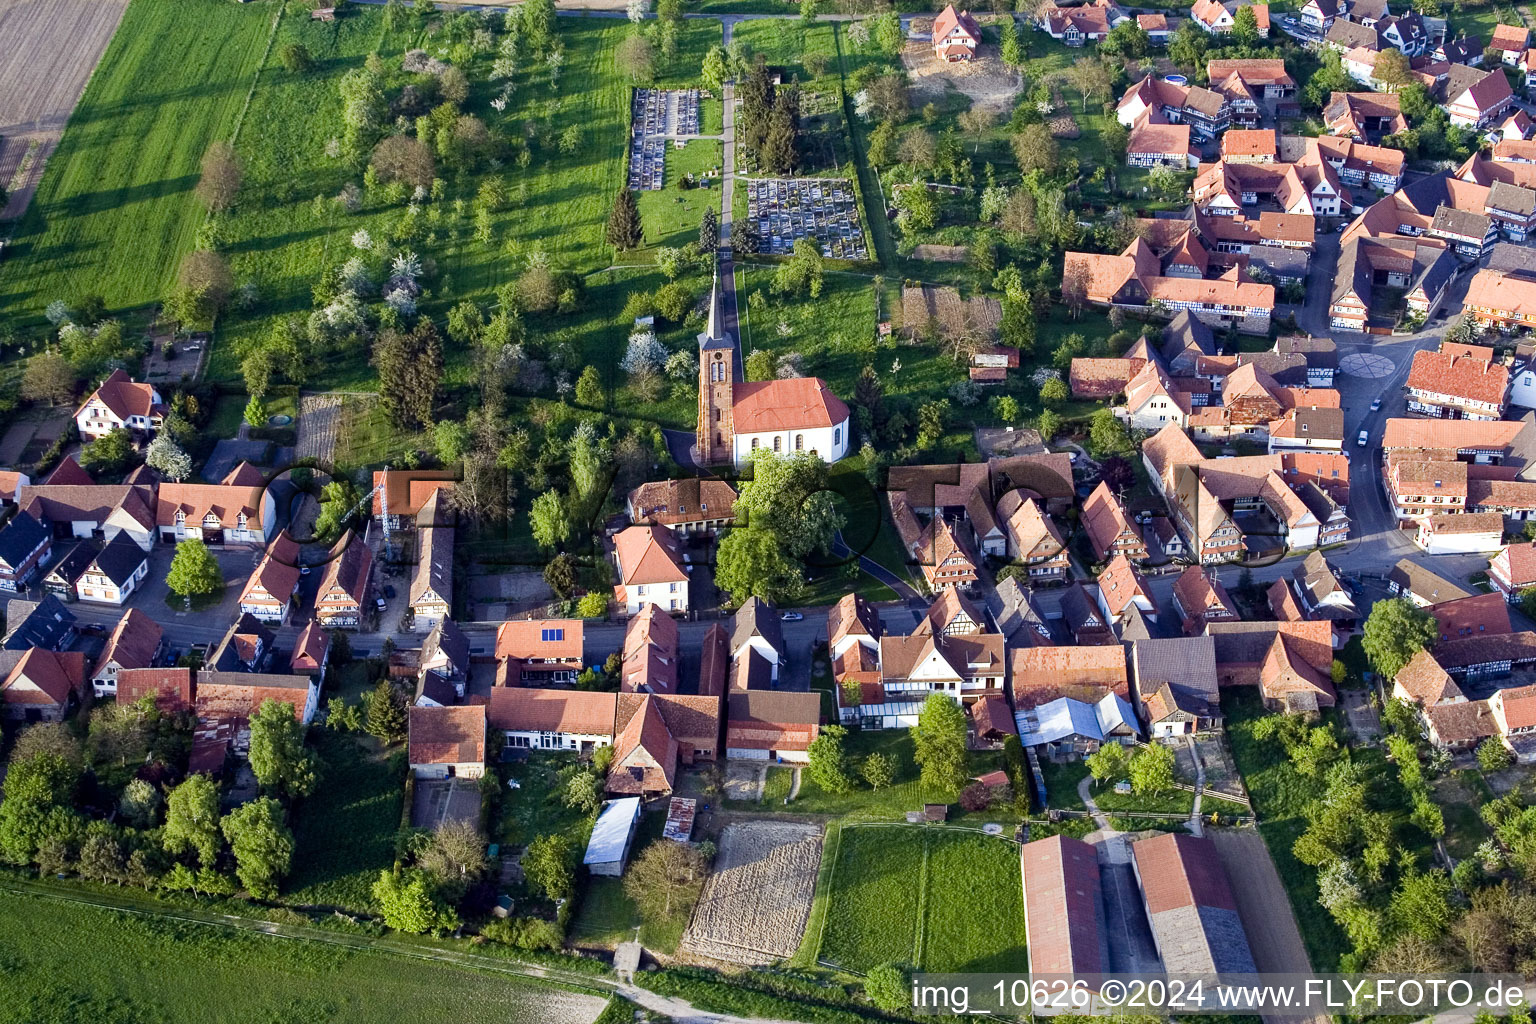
x: 181, y: 518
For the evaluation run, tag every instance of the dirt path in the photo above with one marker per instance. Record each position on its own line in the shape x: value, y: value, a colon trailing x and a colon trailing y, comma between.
x: 1263, y: 906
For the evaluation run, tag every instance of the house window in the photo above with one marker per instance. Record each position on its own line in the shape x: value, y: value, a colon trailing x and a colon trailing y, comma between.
x: 210, y: 521
x: 778, y: 444
x: 799, y: 442
x: 754, y: 444
x: 837, y: 436
x: 181, y: 518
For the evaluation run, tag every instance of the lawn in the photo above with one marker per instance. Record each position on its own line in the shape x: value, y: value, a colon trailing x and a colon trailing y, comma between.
x: 146, y: 968
x: 1061, y: 782
x: 607, y: 916
x: 671, y: 215
x: 115, y: 210
x: 943, y: 899
x: 1280, y: 796
x: 345, y: 834
x: 535, y: 808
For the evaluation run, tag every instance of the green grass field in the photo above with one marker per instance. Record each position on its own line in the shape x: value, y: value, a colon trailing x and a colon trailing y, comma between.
x: 345, y: 833
x: 115, y: 209
x: 671, y: 216
x: 66, y: 963
x: 942, y: 899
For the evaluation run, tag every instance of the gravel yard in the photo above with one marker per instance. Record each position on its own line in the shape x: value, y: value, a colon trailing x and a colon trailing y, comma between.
x: 755, y: 903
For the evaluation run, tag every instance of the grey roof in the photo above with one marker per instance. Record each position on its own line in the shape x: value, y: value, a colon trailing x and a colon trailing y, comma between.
x: 1317, y: 500
x: 435, y: 687
x: 613, y: 831
x: 1057, y: 720
x: 44, y: 623
x: 120, y: 559
x: 225, y: 658
x: 1511, y: 198
x: 1353, y: 273
x: 1279, y: 261
x: 1184, y: 332
x: 1433, y: 268
x: 1186, y: 663
x: 1350, y: 35
x: 1321, y: 352
x: 1328, y: 423
x: 20, y: 538
x: 1080, y: 611
x: 448, y: 638
x: 1460, y: 222
x: 1289, y: 371
x: 757, y: 618
x: 1373, y: 9
x: 1507, y: 258
x: 1426, y: 584
x: 68, y: 569
x: 1017, y: 615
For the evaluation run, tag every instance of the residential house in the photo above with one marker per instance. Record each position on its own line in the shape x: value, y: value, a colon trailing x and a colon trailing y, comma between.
x: 955, y: 35
x: 135, y: 642
x: 45, y: 623
x: 1155, y: 26
x: 11, y: 482
x: 43, y: 686
x: 1040, y: 675
x: 445, y: 654
x: 964, y: 666
x: 1217, y: 17
x: 1514, y: 711
x: 1511, y: 42
x: 691, y: 505
x: 404, y: 499
x: 1409, y: 579
x: 236, y: 696
x: 1513, y: 570
x: 1200, y: 599
x: 1177, y: 682
x: 1479, y: 615
x: 579, y: 721
x: 1122, y: 589
x: 651, y: 569
x: 650, y: 655
x: 1066, y: 728
x: 944, y: 555
x: 245, y: 647
x: 1085, y: 623
x: 1307, y: 429
x: 431, y: 593
x: 343, y: 597
x: 1506, y: 301
x: 1316, y: 16
x: 1364, y: 116
x: 1458, y: 382
x: 446, y: 743
x: 1322, y: 594
x: 25, y: 545
x: 771, y: 725
x: 1076, y: 26
x: 120, y: 404
x: 170, y: 687
x: 539, y: 652
x: 114, y: 574
x: 656, y: 732
x: 269, y: 593
x: 311, y: 652
x: 1160, y: 145
x: 222, y: 513
x: 1459, y: 727
x: 1111, y: 530
x: 1033, y: 538
x: 1445, y: 534
x: 1134, y: 281
x: 1475, y: 98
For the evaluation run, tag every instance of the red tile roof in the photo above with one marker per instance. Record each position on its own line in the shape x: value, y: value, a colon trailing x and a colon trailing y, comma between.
x: 760, y: 406
x: 1181, y: 871
x: 583, y: 712
x: 447, y: 735
x: 54, y: 674
x: 1061, y: 906
x: 1444, y: 373
x: 171, y: 687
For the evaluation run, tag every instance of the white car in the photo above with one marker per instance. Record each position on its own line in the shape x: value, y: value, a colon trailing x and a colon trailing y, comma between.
x: 1365, y: 435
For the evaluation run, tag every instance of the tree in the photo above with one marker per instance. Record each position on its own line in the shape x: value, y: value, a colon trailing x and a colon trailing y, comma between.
x: 278, y: 757
x: 455, y: 857
x: 1054, y: 391
x: 1395, y: 631
x: 1049, y: 424
x: 829, y: 765
x: 939, y: 738
x: 385, y: 715
x: 664, y: 881
x: 1115, y: 137
x: 889, y: 987
x: 878, y: 770
x: 1493, y: 755
x: 1090, y: 76
x: 790, y: 496
x: 918, y: 210
x: 404, y: 159
x: 1107, y: 763
x: 752, y: 563
x: 549, y: 863
x: 1107, y: 435
x: 1035, y: 149
x: 636, y: 59
x: 261, y: 843
x: 111, y: 452
x: 169, y: 460
x: 917, y: 149
x: 1245, y: 26
x: 410, y: 366
x: 1010, y: 49
x: 220, y: 181
x: 192, y: 820
x: 1151, y: 770
x: 549, y: 520
x: 194, y: 571
x: 1188, y: 45
x: 408, y: 902
x: 589, y: 388
x: 885, y: 31
x: 296, y: 58
x: 1421, y: 904
x: 624, y: 231
x: 801, y: 272
x: 709, y: 231
x: 48, y: 378
x: 560, y: 575
x: 592, y: 606
x: 1392, y: 68
x: 713, y: 70
x: 338, y: 504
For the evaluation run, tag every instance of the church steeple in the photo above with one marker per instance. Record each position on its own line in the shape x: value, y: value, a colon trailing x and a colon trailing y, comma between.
x: 715, y: 435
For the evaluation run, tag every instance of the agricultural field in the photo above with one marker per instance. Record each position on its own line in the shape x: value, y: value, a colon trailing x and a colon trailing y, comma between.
x: 754, y: 906
x: 62, y: 41
x: 149, y: 968
x: 941, y: 899
x: 345, y: 833
x: 1261, y: 903
x: 115, y: 210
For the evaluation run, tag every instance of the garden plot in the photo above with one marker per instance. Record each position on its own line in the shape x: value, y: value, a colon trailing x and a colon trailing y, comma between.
x: 781, y: 211
x: 755, y: 903
x: 657, y: 115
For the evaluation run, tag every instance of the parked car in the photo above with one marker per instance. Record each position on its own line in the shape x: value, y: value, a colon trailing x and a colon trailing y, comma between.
x: 792, y: 617
x: 1365, y: 435
x: 380, y: 603
x: 1376, y: 405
